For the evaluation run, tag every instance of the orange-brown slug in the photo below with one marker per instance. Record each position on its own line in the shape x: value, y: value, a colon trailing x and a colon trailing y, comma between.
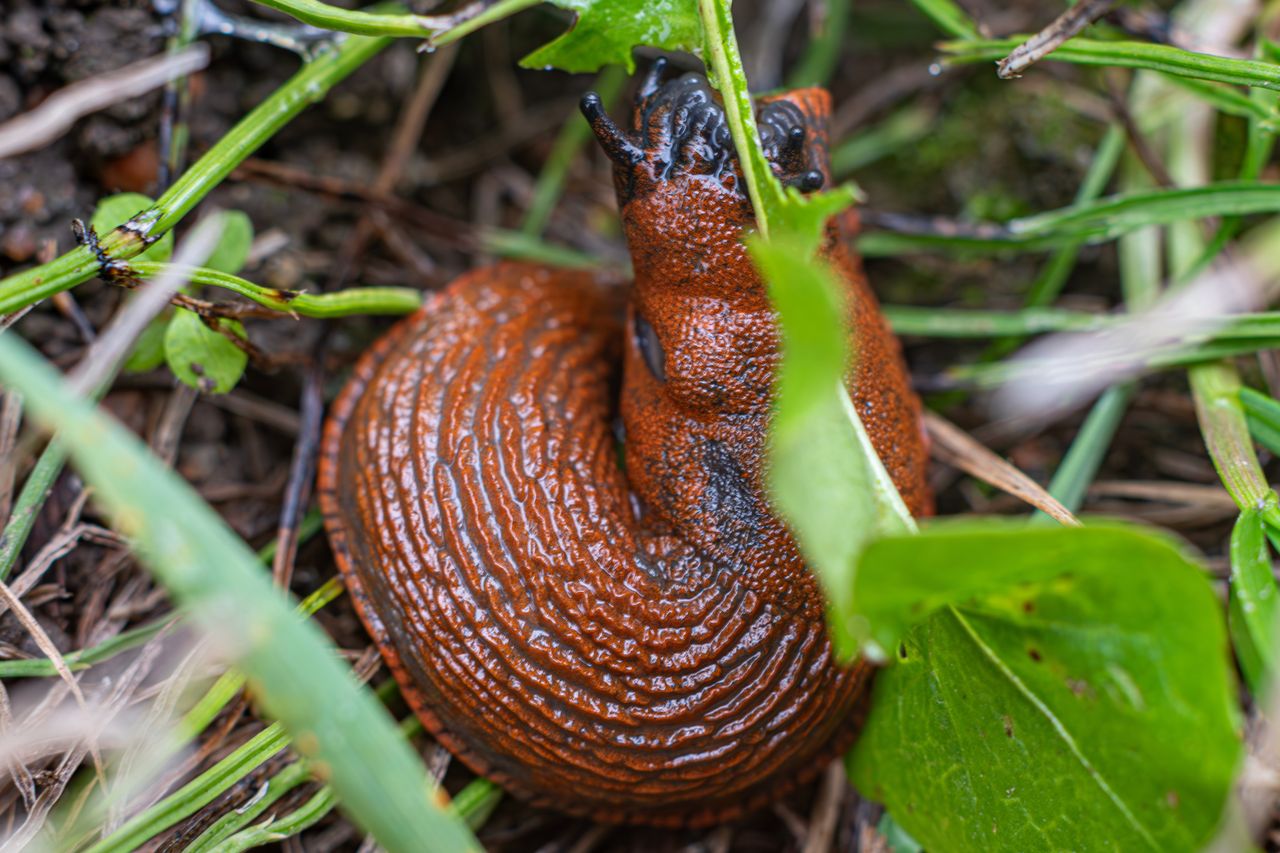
x: 637, y: 641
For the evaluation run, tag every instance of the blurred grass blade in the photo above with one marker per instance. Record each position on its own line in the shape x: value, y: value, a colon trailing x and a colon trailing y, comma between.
x: 1090, y: 222
x: 948, y: 17
x: 1080, y: 465
x: 900, y: 130
x: 1263, y: 415
x: 1253, y: 607
x: 295, y: 670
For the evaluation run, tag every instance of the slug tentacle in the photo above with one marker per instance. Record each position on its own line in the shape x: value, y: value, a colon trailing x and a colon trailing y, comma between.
x: 613, y: 140
x: 637, y: 643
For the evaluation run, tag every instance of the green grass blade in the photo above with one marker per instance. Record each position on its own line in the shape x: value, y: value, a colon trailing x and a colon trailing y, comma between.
x: 1130, y: 54
x: 948, y: 17
x: 1216, y: 389
x: 1254, y: 606
x: 196, y: 794
x: 295, y: 669
x: 1080, y: 465
x: 1093, y: 222
x: 1263, y: 414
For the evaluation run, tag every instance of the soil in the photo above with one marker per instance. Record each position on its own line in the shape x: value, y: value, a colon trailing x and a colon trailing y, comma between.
x: 993, y: 151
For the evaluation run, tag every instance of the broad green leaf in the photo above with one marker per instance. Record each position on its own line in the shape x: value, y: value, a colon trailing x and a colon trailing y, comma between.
x: 1253, y: 609
x: 202, y: 357
x: 605, y: 31
x: 148, y: 349
x: 294, y: 669
x: 234, y: 242
x: 118, y: 209
x: 1068, y: 689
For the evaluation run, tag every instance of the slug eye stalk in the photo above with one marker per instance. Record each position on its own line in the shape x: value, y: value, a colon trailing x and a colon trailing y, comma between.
x: 615, y: 142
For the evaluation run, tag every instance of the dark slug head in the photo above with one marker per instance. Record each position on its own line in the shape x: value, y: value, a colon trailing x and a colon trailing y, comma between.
x: 679, y: 132
x: 701, y: 322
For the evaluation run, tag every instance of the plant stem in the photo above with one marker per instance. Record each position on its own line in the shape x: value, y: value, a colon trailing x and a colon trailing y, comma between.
x: 949, y: 18
x: 720, y: 52
x: 328, y: 17
x: 308, y: 86
x: 342, y: 303
x: 496, y: 12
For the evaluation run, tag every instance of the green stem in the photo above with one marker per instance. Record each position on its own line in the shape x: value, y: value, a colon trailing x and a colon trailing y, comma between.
x: 1093, y: 222
x: 328, y: 17
x: 343, y: 303
x: 307, y: 815
x: 965, y: 323
x: 496, y: 12
x: 217, y: 836
x: 308, y: 86
x: 723, y: 60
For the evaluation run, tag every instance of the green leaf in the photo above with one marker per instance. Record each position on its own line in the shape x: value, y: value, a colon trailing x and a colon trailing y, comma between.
x: 1068, y: 689
x: 295, y: 671
x: 148, y: 349
x: 115, y: 210
x: 234, y: 242
x: 824, y: 478
x: 1253, y: 608
x: 202, y: 357
x: 605, y: 31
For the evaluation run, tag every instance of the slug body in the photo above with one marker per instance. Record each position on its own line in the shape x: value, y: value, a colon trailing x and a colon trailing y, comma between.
x: 638, y: 641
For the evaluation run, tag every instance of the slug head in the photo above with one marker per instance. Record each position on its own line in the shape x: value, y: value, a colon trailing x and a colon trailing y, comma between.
x: 702, y: 325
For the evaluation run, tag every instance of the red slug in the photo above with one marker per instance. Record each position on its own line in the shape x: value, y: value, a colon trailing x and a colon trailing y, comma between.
x: 634, y: 641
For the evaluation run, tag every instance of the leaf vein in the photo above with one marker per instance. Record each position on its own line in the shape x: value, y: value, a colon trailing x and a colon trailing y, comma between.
x: 1058, y: 727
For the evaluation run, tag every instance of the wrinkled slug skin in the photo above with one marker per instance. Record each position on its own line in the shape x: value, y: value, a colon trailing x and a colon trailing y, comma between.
x: 631, y: 641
